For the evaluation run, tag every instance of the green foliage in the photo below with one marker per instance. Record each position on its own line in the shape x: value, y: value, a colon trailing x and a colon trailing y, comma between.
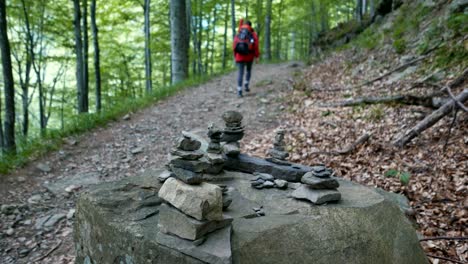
x: 399, y: 45
x: 403, y: 176
x: 327, y: 113
x: 458, y: 24
x: 376, y: 113
x: 448, y: 56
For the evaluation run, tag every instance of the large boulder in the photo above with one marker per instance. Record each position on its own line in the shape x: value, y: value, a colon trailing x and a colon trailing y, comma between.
x: 117, y: 222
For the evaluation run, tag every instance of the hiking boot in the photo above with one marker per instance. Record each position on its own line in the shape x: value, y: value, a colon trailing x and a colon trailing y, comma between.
x: 247, y: 88
x: 239, y: 94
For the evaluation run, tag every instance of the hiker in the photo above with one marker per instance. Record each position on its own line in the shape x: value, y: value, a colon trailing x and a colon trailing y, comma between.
x: 245, y: 48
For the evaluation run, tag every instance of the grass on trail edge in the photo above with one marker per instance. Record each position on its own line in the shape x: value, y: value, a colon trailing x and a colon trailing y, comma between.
x: 30, y: 148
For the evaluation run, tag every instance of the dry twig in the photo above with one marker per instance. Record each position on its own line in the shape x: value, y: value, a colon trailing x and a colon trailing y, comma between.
x: 48, y: 252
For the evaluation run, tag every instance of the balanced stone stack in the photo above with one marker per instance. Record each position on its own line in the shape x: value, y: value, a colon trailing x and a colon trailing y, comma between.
x: 278, y: 153
x: 233, y: 133
x: 318, y: 186
x: 265, y: 180
x: 186, y: 162
x: 214, y: 150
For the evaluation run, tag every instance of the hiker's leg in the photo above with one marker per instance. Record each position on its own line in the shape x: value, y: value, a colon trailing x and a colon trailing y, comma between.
x: 240, y: 76
x: 248, y: 75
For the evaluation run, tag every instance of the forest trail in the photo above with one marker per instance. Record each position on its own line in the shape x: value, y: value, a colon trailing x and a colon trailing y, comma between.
x: 46, y: 189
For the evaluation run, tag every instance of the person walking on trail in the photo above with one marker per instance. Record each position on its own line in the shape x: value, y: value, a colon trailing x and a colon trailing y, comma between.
x: 245, y: 47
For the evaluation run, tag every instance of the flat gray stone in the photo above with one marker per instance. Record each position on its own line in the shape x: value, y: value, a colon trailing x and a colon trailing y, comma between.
x: 264, y: 176
x: 187, y: 176
x: 231, y: 150
x: 39, y: 224
x: 215, y: 250
x: 319, y: 183
x: 316, y: 196
x: 165, y: 175
x: 187, y: 143
x: 43, y: 167
x: 281, y: 184
x: 191, y: 165
x: 188, y: 155
x: 54, y: 219
x: 214, y: 158
x: 173, y: 221
x: 277, y: 154
x: 232, y: 117
x: 203, y: 201
x: 232, y: 137
x: 249, y: 164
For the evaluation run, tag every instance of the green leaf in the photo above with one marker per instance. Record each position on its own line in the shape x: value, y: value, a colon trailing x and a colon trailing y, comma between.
x: 405, y: 178
x: 391, y: 173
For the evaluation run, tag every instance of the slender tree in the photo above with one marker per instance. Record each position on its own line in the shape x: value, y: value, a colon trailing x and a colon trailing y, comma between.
x: 97, y: 59
x: 79, y: 58
x: 85, y: 55
x: 9, y: 90
x: 148, y: 65
x: 225, y: 52
x: 233, y: 18
x: 179, y: 47
x: 267, y: 37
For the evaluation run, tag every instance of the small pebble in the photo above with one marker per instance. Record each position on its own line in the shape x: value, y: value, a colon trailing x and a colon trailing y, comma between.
x: 10, y: 231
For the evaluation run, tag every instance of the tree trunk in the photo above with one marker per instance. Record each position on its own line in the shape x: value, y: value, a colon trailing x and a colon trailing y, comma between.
x: 85, y: 55
x: 79, y: 58
x: 359, y: 11
x: 233, y: 18
x: 225, y: 52
x: 148, y: 66
x: 29, y: 47
x: 267, y: 37
x: 97, y: 59
x: 324, y: 15
x: 179, y: 47
x: 372, y: 8
x: 430, y: 120
x: 200, y: 35
x: 278, y: 32
x: 9, y: 136
x: 215, y: 19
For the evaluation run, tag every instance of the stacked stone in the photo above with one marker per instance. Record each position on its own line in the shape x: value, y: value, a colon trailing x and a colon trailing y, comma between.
x: 278, y: 153
x: 214, y: 150
x: 186, y: 162
x: 191, y: 212
x: 233, y: 132
x: 265, y: 180
x: 318, y: 186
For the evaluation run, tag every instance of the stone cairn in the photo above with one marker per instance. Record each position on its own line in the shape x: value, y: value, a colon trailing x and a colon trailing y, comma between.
x: 318, y: 186
x: 192, y: 208
x: 233, y: 133
x: 278, y: 153
x: 265, y: 180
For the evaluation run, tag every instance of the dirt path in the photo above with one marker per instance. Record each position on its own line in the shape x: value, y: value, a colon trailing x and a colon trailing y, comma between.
x: 36, y: 221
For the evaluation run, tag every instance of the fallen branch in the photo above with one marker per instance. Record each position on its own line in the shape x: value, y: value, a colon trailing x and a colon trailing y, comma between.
x: 48, y: 252
x: 361, y: 140
x: 430, y: 120
x: 446, y: 259
x: 443, y: 238
x: 427, y: 101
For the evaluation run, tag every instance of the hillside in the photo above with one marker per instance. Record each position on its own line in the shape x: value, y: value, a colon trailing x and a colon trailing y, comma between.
x: 349, y: 106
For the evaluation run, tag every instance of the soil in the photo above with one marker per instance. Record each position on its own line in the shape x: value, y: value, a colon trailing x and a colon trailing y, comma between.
x: 50, y: 185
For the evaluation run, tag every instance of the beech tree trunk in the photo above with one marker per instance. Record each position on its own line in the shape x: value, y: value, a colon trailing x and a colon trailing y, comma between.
x: 225, y: 52
x: 9, y: 90
x: 233, y: 18
x: 24, y: 83
x: 97, y: 59
x: 267, y: 36
x: 148, y: 66
x: 85, y: 55
x: 79, y: 58
x: 179, y: 47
